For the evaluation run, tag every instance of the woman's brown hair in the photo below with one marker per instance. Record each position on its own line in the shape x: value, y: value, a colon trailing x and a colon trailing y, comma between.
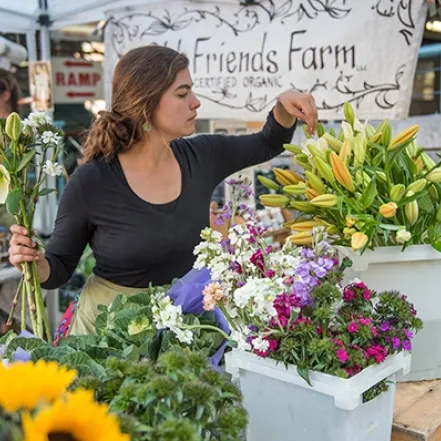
x: 140, y: 79
x: 8, y: 83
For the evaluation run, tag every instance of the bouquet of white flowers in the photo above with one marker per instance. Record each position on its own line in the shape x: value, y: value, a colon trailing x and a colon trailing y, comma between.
x: 20, y: 144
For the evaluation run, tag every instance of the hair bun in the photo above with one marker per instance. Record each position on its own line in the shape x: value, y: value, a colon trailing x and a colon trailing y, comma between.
x: 118, y: 128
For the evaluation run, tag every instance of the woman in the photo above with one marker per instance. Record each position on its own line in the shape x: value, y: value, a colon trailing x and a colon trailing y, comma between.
x: 142, y: 194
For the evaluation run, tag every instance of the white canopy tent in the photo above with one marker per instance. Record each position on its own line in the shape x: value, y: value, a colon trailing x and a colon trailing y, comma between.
x: 30, y: 16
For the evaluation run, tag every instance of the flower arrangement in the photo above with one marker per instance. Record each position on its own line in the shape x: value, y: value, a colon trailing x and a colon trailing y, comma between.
x: 21, y: 142
x: 289, y: 305
x: 36, y: 404
x: 365, y: 186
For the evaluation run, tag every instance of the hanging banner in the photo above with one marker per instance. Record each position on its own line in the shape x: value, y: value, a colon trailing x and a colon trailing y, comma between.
x: 242, y: 57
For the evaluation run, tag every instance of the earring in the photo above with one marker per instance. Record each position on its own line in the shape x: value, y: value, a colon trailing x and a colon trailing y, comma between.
x: 147, y: 127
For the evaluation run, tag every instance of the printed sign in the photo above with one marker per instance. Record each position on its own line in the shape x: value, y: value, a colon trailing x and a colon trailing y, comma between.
x: 243, y: 56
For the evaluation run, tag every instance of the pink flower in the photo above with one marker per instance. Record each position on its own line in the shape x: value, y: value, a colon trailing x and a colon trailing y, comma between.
x: 366, y: 294
x: 360, y: 285
x: 342, y: 355
x: 353, y: 327
x: 338, y: 342
x: 257, y: 259
x: 212, y: 293
x: 269, y: 273
x: 273, y: 344
x: 377, y: 351
x: 364, y: 321
x: 374, y: 332
x: 348, y: 294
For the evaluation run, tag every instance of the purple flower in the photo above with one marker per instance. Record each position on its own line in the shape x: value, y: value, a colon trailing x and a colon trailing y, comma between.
x: 396, y: 342
x: 385, y: 326
x: 407, y: 345
x: 269, y: 273
x: 408, y: 334
x: 226, y: 245
x: 232, y: 182
x: 308, y: 253
x: 318, y: 270
x: 236, y: 266
x: 301, y: 291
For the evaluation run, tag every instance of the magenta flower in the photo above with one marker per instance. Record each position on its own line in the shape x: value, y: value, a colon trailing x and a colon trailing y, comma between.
x: 364, y: 321
x: 396, y: 342
x: 269, y: 273
x: 385, y: 326
x: 374, y: 331
x: 353, y: 327
x: 408, y: 334
x: 342, y: 355
x: 407, y: 345
x: 366, y: 294
x: 257, y: 259
x: 348, y: 295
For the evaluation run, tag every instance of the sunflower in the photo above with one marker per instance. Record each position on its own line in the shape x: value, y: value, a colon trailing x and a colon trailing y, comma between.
x: 25, y: 385
x: 76, y: 416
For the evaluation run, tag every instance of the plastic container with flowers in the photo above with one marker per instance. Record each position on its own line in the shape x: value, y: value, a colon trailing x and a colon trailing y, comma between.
x: 36, y: 404
x: 379, y: 197
x: 304, y: 344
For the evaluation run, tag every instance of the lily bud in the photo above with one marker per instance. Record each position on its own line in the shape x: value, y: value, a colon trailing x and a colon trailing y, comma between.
x: 358, y: 241
x: 397, y: 192
x: 388, y: 210
x: 403, y: 236
x: 417, y: 186
x: 349, y: 112
x: 434, y: 175
x: 13, y: 126
x: 325, y: 200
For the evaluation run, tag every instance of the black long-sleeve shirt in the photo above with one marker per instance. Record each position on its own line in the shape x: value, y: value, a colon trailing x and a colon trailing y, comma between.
x: 136, y: 243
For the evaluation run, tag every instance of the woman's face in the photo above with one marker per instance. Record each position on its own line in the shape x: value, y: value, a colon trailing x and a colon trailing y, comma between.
x: 177, y: 110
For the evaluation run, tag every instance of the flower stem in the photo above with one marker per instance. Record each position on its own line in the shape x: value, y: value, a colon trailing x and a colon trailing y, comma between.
x: 39, y: 298
x: 210, y: 328
x: 15, y: 303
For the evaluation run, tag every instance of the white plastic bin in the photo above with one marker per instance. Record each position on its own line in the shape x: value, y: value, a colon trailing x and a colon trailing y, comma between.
x: 283, y: 407
x: 416, y: 272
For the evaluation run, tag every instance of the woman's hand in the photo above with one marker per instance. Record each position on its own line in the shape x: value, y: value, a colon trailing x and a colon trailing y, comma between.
x: 22, y: 248
x: 292, y: 105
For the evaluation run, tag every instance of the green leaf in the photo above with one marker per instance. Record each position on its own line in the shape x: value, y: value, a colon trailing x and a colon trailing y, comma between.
x: 425, y: 203
x: 304, y: 373
x: 27, y: 158
x: 391, y: 227
x: 437, y: 245
x: 27, y: 344
x: 369, y: 193
x: 131, y: 353
x: 84, y: 364
x: 13, y: 200
x: 46, y: 191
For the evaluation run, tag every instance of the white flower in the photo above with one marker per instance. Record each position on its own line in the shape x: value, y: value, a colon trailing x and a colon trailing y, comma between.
x: 347, y: 130
x: 358, y: 126
x: 5, y: 180
x: 259, y: 344
x: 241, y: 340
x: 37, y: 119
x: 184, y: 336
x: 52, y: 168
x: 49, y: 137
x: 403, y: 236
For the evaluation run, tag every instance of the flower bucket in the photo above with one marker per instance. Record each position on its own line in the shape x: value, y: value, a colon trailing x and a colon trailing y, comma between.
x: 415, y: 273
x: 282, y: 406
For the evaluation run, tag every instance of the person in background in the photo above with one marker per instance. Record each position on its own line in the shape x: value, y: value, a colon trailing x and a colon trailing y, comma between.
x: 142, y: 194
x: 9, y: 102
